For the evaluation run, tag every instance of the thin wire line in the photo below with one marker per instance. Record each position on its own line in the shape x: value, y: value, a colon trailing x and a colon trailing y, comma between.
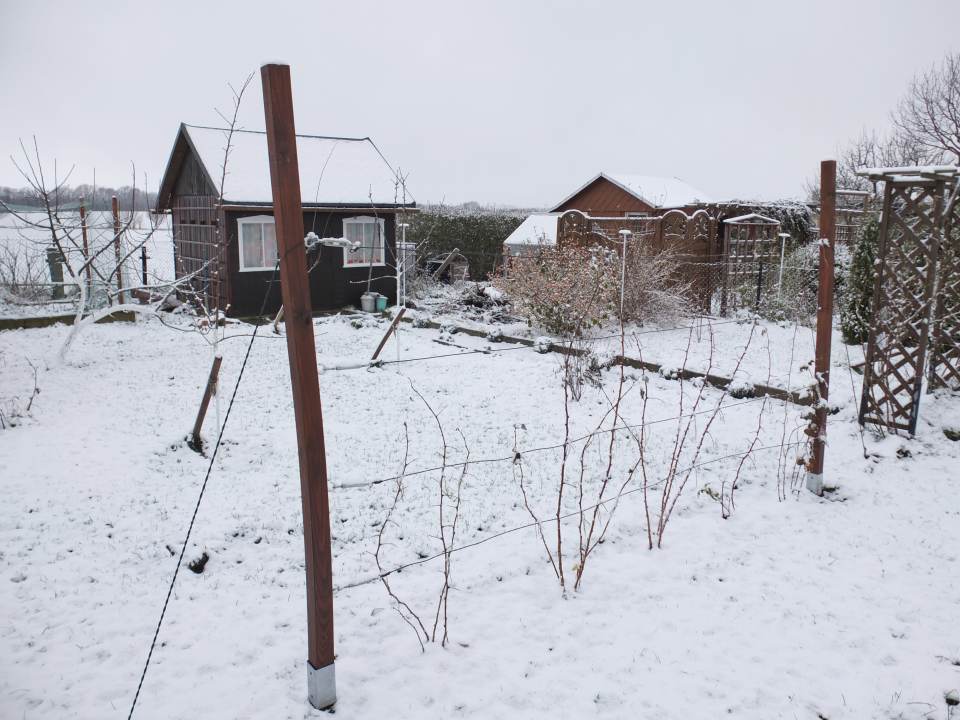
x: 543, y: 448
x: 539, y: 523
x: 196, y: 509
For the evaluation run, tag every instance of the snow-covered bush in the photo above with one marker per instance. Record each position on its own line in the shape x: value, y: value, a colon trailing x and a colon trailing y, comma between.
x: 856, y: 308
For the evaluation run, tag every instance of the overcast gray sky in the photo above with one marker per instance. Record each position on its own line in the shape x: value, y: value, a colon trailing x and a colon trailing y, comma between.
x: 502, y: 102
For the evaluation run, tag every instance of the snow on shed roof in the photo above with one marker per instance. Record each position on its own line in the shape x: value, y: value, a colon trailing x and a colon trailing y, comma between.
x: 659, y: 192
x: 333, y: 170
x: 537, y: 229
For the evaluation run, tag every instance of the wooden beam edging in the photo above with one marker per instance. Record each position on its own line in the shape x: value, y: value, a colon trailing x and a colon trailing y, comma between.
x: 42, y: 321
x: 804, y: 397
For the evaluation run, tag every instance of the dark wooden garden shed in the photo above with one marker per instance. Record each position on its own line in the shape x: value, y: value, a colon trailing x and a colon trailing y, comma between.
x: 222, y: 220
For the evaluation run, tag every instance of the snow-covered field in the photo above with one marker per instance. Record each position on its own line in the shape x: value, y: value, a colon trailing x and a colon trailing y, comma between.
x: 836, y: 607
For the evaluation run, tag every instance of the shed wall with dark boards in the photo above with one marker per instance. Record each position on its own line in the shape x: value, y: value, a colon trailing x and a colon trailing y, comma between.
x: 332, y: 286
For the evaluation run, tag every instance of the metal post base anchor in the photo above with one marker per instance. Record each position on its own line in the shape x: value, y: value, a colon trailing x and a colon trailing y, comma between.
x: 815, y: 483
x: 321, y: 686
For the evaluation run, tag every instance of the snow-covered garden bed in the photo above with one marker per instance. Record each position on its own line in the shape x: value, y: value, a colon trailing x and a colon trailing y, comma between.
x: 806, y: 607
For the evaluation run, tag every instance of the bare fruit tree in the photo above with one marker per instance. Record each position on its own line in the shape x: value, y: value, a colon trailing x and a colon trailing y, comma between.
x: 96, y: 251
x: 87, y: 265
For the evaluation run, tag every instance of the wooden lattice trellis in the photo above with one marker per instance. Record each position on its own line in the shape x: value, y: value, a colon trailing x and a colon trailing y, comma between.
x: 916, y: 287
x: 945, y: 337
x: 752, y: 252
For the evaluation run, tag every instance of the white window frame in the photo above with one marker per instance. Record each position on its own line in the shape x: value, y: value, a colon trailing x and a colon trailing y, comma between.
x: 254, y: 220
x: 364, y: 220
x: 637, y: 215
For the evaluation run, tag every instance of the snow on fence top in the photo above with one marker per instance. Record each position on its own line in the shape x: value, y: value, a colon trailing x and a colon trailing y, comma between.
x: 752, y: 219
x: 333, y: 170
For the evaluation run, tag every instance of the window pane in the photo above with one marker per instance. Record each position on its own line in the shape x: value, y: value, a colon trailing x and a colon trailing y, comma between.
x: 368, y: 241
x: 378, y: 245
x: 252, y: 245
x: 269, y: 244
x: 350, y: 233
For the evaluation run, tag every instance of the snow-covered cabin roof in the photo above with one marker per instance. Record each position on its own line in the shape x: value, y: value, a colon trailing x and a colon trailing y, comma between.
x: 334, y: 171
x: 536, y: 229
x: 658, y: 192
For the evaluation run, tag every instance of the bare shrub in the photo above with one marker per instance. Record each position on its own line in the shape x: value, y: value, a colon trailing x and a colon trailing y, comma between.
x: 653, y: 290
x: 16, y: 407
x: 23, y: 276
x: 576, y: 288
x: 564, y: 290
x: 449, y: 493
x: 690, y: 435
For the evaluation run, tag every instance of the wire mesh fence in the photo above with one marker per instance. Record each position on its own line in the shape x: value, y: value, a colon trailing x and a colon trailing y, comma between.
x: 47, y: 261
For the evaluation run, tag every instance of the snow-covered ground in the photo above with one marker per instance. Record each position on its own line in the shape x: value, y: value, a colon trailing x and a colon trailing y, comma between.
x: 840, y: 607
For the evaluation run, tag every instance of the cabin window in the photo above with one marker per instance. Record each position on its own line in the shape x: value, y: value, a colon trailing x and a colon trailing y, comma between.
x: 368, y: 234
x: 258, y: 243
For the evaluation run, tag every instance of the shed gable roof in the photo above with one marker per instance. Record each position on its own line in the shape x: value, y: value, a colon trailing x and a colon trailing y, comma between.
x: 334, y: 171
x: 657, y: 192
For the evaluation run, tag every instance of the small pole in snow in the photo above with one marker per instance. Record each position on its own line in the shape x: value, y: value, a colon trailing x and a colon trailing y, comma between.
x: 759, y: 282
x: 828, y: 233
x: 402, y: 266
x: 625, y: 234
x: 115, y: 209
x: 295, y: 290
x: 783, y: 246
x: 86, y: 244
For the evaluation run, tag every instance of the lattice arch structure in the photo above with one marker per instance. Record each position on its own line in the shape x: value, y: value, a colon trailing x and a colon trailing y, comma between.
x: 945, y: 337
x: 916, y: 301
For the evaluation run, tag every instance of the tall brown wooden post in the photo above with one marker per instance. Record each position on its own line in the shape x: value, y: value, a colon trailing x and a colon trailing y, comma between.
x: 115, y: 208
x: 295, y: 289
x: 827, y: 240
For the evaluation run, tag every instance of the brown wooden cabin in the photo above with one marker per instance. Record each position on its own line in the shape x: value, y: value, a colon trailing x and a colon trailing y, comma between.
x: 623, y: 195
x: 223, y: 221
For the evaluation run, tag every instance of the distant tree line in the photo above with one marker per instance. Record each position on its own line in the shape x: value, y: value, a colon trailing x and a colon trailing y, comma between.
x: 93, y: 197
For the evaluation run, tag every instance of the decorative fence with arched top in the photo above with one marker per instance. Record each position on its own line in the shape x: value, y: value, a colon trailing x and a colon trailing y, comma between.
x: 721, y: 272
